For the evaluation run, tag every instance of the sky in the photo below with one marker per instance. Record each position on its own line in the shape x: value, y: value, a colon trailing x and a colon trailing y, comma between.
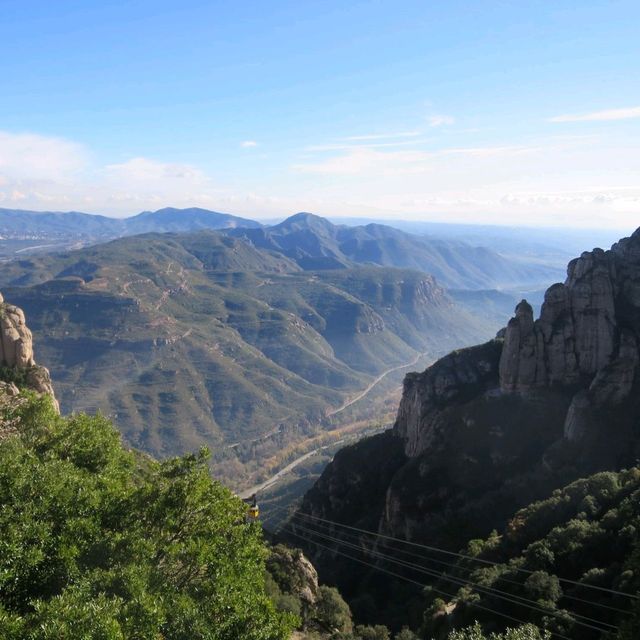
x: 499, y: 112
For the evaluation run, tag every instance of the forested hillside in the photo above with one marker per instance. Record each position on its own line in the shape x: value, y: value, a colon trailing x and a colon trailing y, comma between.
x: 202, y: 339
x: 100, y: 542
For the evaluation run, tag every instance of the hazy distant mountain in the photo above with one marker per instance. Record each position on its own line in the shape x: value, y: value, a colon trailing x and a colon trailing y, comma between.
x: 27, y: 232
x: 192, y: 219
x: 554, y: 246
x: 191, y: 339
x: 315, y: 243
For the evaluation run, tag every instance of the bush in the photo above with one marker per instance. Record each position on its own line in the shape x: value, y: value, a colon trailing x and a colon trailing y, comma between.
x: 527, y: 632
x: 97, y: 542
x: 332, y: 611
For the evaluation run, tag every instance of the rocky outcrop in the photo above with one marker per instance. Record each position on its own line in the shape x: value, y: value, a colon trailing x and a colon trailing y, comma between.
x: 294, y: 575
x: 489, y: 429
x: 16, y: 343
x: 585, y: 344
x: 16, y: 351
x: 586, y: 338
x: 453, y: 380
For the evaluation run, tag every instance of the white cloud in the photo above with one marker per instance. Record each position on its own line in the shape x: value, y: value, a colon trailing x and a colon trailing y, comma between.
x: 600, y: 116
x: 35, y: 157
x: 248, y: 144
x: 371, y: 145
x: 368, y: 161
x: 384, y: 136
x: 439, y: 120
x: 483, y: 152
x: 143, y: 171
x: 562, y: 179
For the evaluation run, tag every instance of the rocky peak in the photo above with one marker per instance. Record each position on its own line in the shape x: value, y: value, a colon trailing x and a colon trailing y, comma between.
x: 16, y: 344
x: 16, y: 350
x: 587, y: 335
x: 584, y: 345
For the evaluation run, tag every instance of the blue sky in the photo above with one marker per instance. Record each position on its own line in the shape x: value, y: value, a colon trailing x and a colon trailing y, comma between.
x: 508, y: 112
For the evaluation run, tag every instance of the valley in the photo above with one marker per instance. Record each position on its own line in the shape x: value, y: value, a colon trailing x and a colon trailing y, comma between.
x: 204, y: 339
x: 285, y: 362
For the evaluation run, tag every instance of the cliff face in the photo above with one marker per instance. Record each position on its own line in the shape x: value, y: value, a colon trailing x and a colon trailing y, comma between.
x: 16, y: 351
x: 584, y: 346
x: 489, y: 429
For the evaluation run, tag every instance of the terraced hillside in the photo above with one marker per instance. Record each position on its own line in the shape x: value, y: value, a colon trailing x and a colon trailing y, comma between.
x: 204, y: 339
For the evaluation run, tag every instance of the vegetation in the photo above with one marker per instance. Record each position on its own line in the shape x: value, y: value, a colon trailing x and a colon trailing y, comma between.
x: 97, y: 542
x: 193, y: 340
x: 587, y: 533
x: 527, y: 632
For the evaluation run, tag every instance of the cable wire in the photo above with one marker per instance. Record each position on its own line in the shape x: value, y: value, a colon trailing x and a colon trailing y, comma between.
x: 502, y: 595
x: 459, y: 567
x: 466, y: 557
x: 422, y: 585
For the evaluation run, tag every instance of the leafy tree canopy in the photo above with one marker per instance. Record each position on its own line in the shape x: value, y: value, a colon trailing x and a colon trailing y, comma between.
x: 97, y: 542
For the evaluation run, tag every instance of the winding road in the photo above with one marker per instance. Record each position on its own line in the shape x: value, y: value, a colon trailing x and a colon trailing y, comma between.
x: 383, y: 375
x: 292, y: 465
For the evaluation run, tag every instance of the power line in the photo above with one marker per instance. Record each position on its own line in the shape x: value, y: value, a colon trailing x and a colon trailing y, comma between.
x: 459, y: 567
x: 423, y: 586
x: 466, y: 557
x: 502, y: 595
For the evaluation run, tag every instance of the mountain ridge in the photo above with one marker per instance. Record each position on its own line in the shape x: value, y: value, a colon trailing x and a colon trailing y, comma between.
x: 193, y: 339
x: 488, y: 429
x: 312, y: 241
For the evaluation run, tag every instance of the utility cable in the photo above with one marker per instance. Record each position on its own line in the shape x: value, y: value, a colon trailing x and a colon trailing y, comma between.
x: 422, y: 585
x: 502, y: 595
x: 466, y: 556
x: 459, y: 567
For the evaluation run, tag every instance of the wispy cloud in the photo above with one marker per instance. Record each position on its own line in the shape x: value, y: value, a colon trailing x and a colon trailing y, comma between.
x: 484, y: 152
x: 373, y: 145
x: 384, y: 136
x: 439, y: 120
x: 247, y: 144
x: 35, y: 157
x: 600, y: 116
x: 368, y: 161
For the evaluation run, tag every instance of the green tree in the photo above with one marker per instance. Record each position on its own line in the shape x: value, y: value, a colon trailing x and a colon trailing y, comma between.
x: 97, y: 542
x: 332, y: 612
x: 526, y: 632
x: 375, y: 632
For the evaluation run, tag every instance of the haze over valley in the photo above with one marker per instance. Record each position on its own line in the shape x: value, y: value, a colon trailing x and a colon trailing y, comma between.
x: 320, y: 320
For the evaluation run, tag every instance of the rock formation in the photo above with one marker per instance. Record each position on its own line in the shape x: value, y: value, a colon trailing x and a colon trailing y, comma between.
x: 489, y: 429
x: 16, y: 350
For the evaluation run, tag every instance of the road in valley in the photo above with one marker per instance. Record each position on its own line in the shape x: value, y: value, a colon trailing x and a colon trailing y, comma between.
x: 383, y: 375
x: 292, y: 465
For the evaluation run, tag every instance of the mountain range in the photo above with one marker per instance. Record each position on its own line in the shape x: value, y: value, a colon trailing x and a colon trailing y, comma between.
x: 193, y: 339
x: 311, y: 241
x: 315, y: 243
x: 26, y: 232
x: 487, y: 430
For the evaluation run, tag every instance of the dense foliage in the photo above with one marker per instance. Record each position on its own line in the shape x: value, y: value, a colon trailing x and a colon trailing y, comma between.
x: 97, y: 542
x: 526, y: 632
x: 201, y: 339
x: 551, y: 553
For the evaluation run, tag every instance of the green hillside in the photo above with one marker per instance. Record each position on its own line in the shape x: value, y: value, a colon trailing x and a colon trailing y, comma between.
x: 104, y: 543
x: 202, y: 339
x: 564, y: 563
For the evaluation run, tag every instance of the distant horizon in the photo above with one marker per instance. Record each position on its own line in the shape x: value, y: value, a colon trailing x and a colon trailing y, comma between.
x: 486, y: 112
x: 334, y: 219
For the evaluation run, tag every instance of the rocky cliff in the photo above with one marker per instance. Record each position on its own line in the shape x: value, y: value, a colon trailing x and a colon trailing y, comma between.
x: 16, y: 352
x: 489, y: 429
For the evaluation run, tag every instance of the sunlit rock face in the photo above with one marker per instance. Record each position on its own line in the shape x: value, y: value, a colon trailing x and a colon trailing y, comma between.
x: 16, y: 349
